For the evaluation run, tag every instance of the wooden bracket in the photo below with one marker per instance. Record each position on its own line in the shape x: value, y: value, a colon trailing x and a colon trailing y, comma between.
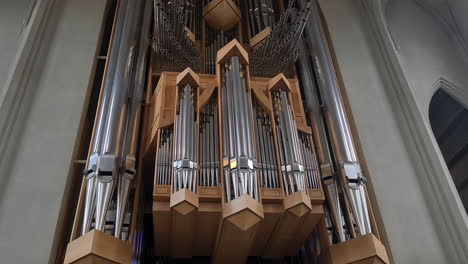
x: 257, y: 39
x: 241, y: 218
x: 365, y: 249
x: 96, y: 247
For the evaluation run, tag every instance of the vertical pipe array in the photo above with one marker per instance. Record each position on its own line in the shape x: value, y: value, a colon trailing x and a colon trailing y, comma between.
x: 185, y: 143
x: 173, y: 48
x: 215, y: 40
x: 115, y: 138
x: 267, y: 166
x: 209, y: 140
x: 164, y: 156
x: 239, y: 161
x: 311, y: 169
x: 353, y: 182
x: 312, y: 102
x: 292, y: 162
x: 261, y: 14
x: 279, y: 50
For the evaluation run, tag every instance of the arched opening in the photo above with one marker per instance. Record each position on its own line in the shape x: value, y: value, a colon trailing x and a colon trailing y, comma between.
x: 449, y: 122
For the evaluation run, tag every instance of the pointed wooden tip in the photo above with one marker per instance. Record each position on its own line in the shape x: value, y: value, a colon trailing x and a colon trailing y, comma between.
x: 233, y: 48
x: 244, y: 219
x: 98, y: 247
x: 297, y: 203
x: 299, y: 210
x: 184, y: 201
x: 279, y: 82
x: 184, y: 208
x: 188, y: 76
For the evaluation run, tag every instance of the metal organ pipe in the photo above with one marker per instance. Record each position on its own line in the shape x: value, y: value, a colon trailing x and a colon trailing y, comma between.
x: 131, y: 133
x: 354, y: 188
x: 313, y: 105
x: 185, y: 158
x: 91, y: 170
x: 292, y: 162
x: 113, y: 148
x: 239, y: 162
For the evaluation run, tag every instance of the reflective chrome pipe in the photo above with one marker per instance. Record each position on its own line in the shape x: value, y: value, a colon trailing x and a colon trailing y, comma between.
x: 239, y: 155
x: 354, y: 186
x: 112, y: 161
x: 132, y: 127
x: 185, y: 159
x: 277, y: 52
x: 292, y: 162
x: 267, y: 166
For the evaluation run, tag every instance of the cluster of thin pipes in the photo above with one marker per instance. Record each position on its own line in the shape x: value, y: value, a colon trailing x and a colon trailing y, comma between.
x: 215, y: 40
x: 261, y: 15
x: 173, y: 48
x: 164, y: 159
x: 209, y: 144
x: 239, y: 161
x: 292, y: 162
x: 310, y: 162
x: 111, y: 166
x: 267, y: 164
x: 347, y: 213
x: 279, y: 51
x: 185, y: 151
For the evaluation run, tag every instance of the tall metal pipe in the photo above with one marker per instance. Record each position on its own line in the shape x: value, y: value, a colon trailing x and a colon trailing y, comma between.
x: 118, y: 109
x: 354, y: 188
x: 99, y: 125
x: 185, y: 159
x: 130, y: 140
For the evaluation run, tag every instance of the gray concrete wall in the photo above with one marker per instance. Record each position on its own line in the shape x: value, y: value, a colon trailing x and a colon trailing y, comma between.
x: 12, y: 15
x: 35, y: 179
x: 407, y: 219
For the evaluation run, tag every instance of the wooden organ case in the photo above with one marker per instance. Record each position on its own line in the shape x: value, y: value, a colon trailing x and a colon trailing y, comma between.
x: 236, y: 158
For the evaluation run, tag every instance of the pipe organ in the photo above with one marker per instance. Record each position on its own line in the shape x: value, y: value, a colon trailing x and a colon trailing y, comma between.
x: 238, y: 120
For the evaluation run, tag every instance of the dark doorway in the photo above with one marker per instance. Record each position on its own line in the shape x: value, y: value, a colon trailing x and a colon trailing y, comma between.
x: 449, y: 122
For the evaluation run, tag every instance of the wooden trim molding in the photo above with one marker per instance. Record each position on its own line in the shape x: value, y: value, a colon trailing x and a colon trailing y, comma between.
x: 447, y: 213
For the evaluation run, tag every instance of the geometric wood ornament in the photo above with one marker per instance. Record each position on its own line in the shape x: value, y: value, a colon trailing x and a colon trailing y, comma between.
x: 365, y: 249
x: 96, y: 247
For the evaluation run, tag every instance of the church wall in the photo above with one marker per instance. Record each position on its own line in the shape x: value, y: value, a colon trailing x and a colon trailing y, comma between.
x: 12, y: 15
x: 32, y: 184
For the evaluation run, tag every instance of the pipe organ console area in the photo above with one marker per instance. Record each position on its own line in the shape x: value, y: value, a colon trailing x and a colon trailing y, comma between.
x: 221, y: 135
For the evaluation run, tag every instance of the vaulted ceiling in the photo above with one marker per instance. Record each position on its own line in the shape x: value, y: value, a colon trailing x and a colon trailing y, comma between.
x: 452, y: 12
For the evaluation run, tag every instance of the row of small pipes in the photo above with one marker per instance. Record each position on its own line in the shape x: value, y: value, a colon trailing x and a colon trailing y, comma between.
x: 261, y: 14
x: 267, y: 164
x: 215, y: 40
x: 279, y: 50
x: 164, y: 156
x: 111, y: 166
x: 292, y: 162
x: 174, y: 50
x: 209, y: 144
